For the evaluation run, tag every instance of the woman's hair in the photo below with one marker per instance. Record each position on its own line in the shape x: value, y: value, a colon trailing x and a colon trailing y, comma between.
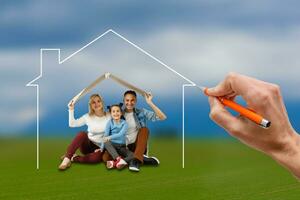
x: 91, y: 111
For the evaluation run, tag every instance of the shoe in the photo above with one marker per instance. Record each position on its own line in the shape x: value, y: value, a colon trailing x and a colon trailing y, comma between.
x: 134, y: 165
x: 153, y: 161
x: 110, y: 164
x: 120, y: 163
x: 65, y: 164
x: 63, y: 156
x: 74, y: 155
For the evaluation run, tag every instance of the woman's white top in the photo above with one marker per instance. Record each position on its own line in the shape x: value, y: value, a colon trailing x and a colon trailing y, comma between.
x: 96, y: 125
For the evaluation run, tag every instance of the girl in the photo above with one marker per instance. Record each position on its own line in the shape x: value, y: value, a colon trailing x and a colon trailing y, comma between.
x: 96, y: 121
x: 114, y: 139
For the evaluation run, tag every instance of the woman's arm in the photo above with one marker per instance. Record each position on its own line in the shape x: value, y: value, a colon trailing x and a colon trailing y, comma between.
x: 106, y: 137
x: 158, y: 112
x: 107, y: 129
x: 72, y: 121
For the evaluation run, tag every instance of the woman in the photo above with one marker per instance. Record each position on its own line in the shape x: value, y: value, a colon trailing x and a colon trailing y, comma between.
x: 96, y: 121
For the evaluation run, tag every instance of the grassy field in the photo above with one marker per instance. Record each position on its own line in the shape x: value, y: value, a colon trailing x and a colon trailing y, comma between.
x: 214, y: 169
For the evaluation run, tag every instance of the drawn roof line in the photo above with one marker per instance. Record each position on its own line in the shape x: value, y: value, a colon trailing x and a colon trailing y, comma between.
x: 94, y: 40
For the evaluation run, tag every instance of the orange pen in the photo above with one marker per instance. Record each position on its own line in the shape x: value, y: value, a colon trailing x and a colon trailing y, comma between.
x: 258, y: 119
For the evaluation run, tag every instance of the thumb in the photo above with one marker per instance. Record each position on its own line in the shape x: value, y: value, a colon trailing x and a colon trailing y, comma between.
x: 219, y: 90
x: 223, y: 118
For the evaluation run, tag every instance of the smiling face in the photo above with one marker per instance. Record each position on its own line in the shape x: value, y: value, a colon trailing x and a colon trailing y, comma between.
x: 129, y: 102
x: 96, y: 104
x: 115, y: 112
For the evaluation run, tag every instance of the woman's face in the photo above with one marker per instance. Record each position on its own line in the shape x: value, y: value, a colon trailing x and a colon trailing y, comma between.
x: 115, y: 112
x: 129, y: 101
x: 96, y: 104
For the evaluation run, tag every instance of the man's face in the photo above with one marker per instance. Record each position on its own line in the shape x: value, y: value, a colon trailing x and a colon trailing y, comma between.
x: 129, y: 101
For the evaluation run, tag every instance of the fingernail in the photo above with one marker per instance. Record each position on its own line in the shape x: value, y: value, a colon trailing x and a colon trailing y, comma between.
x: 210, y: 90
x: 205, y: 91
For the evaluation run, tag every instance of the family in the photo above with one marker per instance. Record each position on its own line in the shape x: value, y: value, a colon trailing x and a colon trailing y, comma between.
x: 117, y: 137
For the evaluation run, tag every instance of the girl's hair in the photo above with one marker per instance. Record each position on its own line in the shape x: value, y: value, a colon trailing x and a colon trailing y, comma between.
x: 115, y: 105
x: 91, y: 111
x: 119, y: 106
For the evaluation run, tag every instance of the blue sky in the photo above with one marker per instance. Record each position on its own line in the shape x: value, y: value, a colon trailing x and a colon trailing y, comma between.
x: 203, y: 40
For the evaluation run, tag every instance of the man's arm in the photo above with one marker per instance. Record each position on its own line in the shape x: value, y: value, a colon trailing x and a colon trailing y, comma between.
x: 157, y: 111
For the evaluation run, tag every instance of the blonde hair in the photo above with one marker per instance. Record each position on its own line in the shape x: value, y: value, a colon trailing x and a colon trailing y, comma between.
x: 92, y: 97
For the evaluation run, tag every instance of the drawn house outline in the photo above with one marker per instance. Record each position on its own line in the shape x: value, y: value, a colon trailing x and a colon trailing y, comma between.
x: 32, y: 83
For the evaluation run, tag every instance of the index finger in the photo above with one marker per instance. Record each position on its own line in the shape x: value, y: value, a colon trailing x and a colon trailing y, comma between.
x: 233, y: 83
x: 70, y: 103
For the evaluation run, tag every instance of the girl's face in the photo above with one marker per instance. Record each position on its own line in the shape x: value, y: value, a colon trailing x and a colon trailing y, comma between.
x: 129, y: 101
x: 96, y: 104
x: 115, y: 112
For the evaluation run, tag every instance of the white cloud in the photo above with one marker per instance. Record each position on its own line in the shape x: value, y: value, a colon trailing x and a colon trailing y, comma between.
x: 204, y: 56
x: 207, y: 56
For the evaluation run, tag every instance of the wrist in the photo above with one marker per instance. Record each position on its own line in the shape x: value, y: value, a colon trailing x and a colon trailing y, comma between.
x: 289, y: 156
x: 149, y: 102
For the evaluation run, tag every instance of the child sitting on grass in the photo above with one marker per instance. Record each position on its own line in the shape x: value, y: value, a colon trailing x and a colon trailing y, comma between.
x: 114, y: 139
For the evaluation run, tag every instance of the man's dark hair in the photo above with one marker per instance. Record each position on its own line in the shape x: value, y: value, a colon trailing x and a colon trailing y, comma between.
x: 130, y: 92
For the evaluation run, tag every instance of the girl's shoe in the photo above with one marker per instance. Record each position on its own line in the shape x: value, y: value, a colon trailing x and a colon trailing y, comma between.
x: 120, y: 163
x: 110, y: 164
x: 65, y: 164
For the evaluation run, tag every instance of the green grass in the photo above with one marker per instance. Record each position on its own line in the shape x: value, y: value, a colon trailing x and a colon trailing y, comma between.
x: 214, y: 169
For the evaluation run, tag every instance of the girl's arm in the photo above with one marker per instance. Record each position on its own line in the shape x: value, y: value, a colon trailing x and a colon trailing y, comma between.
x: 121, y: 133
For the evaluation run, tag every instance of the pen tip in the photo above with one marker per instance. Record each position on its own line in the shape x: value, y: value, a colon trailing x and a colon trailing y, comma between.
x: 201, y: 87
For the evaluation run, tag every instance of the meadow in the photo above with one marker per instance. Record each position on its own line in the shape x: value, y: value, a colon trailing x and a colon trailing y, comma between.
x: 214, y: 169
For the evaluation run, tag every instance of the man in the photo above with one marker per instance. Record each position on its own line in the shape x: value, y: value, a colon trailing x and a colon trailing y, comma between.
x: 138, y: 133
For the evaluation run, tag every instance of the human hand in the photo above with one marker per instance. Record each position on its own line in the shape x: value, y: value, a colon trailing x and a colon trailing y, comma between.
x: 148, y: 97
x: 71, y: 105
x: 97, y: 150
x: 106, y: 139
x: 280, y: 141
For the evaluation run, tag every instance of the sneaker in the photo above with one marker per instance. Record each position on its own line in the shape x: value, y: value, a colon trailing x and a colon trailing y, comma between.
x: 120, y: 163
x: 110, y: 164
x: 72, y: 159
x: 153, y: 161
x: 134, y: 165
x: 74, y: 155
